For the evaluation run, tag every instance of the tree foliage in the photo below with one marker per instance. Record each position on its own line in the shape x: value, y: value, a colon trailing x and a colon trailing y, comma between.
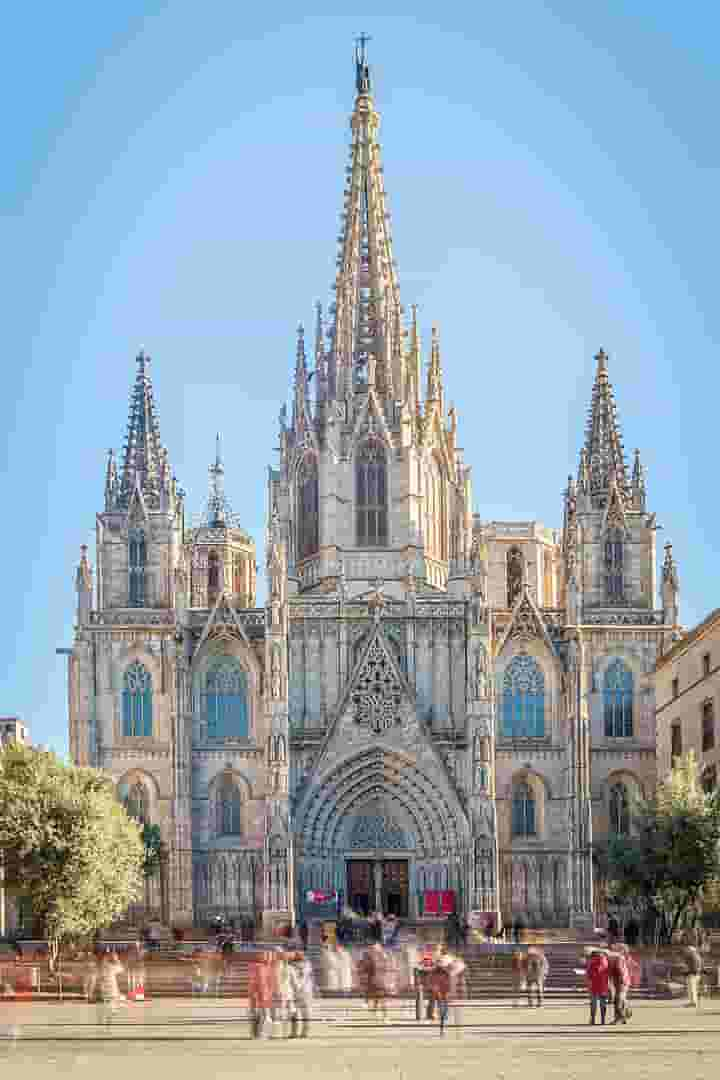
x: 67, y: 843
x: 672, y: 852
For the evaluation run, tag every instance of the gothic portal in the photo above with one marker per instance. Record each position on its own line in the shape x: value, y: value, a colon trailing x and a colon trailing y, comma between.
x: 428, y: 702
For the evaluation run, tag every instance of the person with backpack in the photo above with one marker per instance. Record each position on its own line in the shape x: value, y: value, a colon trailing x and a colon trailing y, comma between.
x: 537, y: 970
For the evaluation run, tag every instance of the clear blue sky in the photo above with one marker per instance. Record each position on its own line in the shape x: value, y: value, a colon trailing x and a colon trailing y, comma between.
x: 173, y: 175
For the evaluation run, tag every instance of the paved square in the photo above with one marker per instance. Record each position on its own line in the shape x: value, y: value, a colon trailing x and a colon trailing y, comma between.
x: 185, y: 1039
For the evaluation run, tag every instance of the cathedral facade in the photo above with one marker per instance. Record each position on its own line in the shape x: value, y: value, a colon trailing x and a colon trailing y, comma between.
x: 428, y: 703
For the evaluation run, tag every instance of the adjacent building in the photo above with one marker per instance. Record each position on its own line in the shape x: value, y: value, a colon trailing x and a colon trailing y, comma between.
x: 687, y: 696
x: 429, y: 704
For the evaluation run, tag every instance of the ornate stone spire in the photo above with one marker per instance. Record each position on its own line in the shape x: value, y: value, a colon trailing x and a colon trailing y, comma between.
x: 144, y: 462
x: 111, y: 482
x: 638, y: 483
x: 603, y: 443
x: 301, y: 382
x: 434, y: 377
x: 366, y: 313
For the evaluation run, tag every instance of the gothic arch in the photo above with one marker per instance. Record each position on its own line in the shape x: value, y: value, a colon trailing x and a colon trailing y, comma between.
x: 540, y: 789
x: 371, y: 470
x: 378, y: 773
x: 150, y: 786
x: 232, y: 646
x: 307, y: 506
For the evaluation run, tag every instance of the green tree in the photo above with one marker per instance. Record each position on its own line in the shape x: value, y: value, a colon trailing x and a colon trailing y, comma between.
x: 67, y: 844
x: 672, y: 852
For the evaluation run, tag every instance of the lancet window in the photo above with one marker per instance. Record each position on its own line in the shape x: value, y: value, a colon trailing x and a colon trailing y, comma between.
x: 618, y: 701
x: 226, y: 701
x: 214, y: 569
x: 137, y: 701
x: 619, y: 810
x: 435, y: 512
x: 514, y: 575
x: 227, y: 809
x: 136, y: 803
x: 523, y: 713
x: 307, y: 508
x: 136, y: 567
x: 614, y: 565
x: 371, y: 495
x: 523, y: 811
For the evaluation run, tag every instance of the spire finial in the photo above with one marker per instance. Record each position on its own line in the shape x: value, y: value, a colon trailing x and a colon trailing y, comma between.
x: 362, y: 69
x: 601, y: 359
x: 218, y: 459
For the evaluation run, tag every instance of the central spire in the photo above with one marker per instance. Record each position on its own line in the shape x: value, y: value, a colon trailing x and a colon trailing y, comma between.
x: 366, y: 316
x: 603, y: 460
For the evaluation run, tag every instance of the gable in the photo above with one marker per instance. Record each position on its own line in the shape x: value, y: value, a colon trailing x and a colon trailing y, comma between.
x: 526, y: 624
x: 223, y: 622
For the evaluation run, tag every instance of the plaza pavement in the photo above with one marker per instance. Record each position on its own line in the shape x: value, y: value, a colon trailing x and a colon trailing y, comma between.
x: 209, y: 1039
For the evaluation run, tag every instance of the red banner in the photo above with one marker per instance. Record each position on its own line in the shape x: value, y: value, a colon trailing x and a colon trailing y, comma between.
x: 431, y: 903
x: 447, y: 902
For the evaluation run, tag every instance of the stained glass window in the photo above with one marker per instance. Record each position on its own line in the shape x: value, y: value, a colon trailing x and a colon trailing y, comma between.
x: 618, y: 701
x: 137, y: 701
x: 523, y: 712
x: 523, y: 811
x: 226, y: 697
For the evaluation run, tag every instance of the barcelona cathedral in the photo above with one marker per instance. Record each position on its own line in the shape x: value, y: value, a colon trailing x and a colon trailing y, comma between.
x: 429, y: 703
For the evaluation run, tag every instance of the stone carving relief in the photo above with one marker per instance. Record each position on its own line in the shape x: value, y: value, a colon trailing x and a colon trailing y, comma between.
x: 378, y: 832
x: 479, y: 673
x: 377, y: 695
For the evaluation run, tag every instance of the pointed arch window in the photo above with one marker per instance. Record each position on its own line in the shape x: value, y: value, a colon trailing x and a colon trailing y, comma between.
x: 514, y: 575
x: 213, y: 577
x: 137, y: 701
x: 226, y: 701
x: 523, y: 811
x: 523, y: 711
x: 228, y: 806
x: 307, y: 508
x: 619, y: 810
x: 137, y: 558
x: 614, y: 564
x: 618, y: 688
x: 136, y: 803
x: 435, y: 512
x: 371, y: 495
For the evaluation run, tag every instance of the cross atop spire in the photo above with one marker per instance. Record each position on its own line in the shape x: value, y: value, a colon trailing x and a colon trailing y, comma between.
x: 144, y: 457
x: 604, y: 454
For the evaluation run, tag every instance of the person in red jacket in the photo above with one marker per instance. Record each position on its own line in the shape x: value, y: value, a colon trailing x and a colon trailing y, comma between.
x: 596, y: 973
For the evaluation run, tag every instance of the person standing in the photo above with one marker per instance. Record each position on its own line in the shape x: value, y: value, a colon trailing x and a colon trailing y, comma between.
x: 374, y: 968
x: 110, y: 996
x: 304, y: 934
x: 619, y: 977
x: 596, y: 974
x: 537, y: 970
x: 301, y: 989
x: 694, y: 966
x: 260, y: 992
x: 518, y: 964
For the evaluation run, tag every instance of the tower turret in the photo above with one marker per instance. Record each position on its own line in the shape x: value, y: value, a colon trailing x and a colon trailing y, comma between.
x: 84, y: 588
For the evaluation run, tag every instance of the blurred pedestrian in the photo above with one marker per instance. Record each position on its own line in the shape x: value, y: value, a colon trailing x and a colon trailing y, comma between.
x: 694, y: 967
x: 619, y: 977
x: 518, y: 965
x: 537, y: 971
x: 301, y: 994
x: 110, y: 996
x: 260, y: 993
x: 374, y: 970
